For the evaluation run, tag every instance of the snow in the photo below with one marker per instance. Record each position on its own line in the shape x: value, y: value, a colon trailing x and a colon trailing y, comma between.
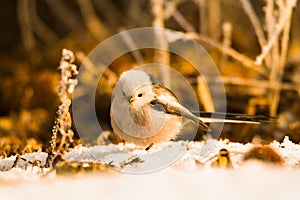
x: 173, y: 170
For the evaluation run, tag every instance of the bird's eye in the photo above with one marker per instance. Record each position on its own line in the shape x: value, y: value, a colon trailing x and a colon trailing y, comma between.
x: 140, y: 95
x: 124, y: 94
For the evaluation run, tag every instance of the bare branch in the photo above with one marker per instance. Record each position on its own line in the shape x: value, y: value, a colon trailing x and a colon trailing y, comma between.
x: 171, y: 11
x: 247, y: 62
x: 214, y: 19
x: 40, y: 28
x: 65, y: 14
x: 255, y: 22
x: 94, y: 25
x: 131, y: 45
x: 227, y: 34
x: 202, y: 16
x: 204, y: 95
x: 273, y: 40
x: 110, y: 11
x: 162, y: 57
x: 183, y: 22
x: 258, y: 83
x: 25, y: 24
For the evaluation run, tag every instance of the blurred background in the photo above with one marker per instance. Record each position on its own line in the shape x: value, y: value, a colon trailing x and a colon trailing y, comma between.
x: 264, y: 81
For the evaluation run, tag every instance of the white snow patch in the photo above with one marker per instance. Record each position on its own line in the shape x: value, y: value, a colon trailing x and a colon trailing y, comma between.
x: 186, y: 174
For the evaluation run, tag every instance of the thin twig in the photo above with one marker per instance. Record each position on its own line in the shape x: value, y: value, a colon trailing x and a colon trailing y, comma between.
x: 65, y: 14
x: 257, y: 26
x: 275, y: 26
x: 247, y: 82
x: 183, y: 22
x: 273, y: 36
x: 273, y: 53
x: 111, y: 12
x: 255, y: 22
x: 247, y: 62
x: 284, y: 43
x: 93, y: 23
x: 202, y: 4
x: 214, y: 19
x: 135, y: 12
x: 161, y: 56
x: 25, y: 25
x: 257, y: 83
x: 204, y: 95
x: 41, y: 28
x: 170, y: 7
x: 171, y: 11
x: 131, y: 45
x: 269, y: 17
x: 227, y: 34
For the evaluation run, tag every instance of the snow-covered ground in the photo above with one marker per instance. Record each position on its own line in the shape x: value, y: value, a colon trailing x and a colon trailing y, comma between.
x: 174, y: 170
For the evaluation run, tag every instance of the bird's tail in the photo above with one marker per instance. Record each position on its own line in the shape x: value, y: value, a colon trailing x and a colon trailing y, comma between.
x: 217, y: 117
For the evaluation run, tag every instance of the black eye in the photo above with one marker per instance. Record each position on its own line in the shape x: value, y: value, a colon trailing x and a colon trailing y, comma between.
x: 140, y: 95
x: 124, y: 94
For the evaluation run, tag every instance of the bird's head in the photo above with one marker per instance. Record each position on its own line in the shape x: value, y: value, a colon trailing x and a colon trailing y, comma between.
x: 134, y: 87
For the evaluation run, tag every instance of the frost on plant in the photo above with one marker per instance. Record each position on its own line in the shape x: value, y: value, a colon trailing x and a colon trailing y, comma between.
x: 63, y: 122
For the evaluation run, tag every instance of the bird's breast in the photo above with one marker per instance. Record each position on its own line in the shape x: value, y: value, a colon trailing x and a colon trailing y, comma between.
x: 140, y: 115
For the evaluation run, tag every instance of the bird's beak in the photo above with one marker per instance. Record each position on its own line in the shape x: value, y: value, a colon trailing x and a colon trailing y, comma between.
x: 130, y: 99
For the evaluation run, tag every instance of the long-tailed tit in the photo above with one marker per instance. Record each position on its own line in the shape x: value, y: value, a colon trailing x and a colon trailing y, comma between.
x: 144, y: 112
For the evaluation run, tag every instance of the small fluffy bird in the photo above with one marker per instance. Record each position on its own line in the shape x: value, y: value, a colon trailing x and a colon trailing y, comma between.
x: 223, y: 160
x: 145, y: 112
x: 264, y: 153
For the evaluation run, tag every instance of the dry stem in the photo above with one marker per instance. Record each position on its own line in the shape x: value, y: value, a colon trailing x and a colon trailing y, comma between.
x: 93, y: 23
x: 247, y: 62
x: 63, y: 121
x: 162, y: 57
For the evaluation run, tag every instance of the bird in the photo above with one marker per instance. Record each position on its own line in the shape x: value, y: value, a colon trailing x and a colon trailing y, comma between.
x: 265, y: 154
x: 145, y: 112
x: 223, y: 160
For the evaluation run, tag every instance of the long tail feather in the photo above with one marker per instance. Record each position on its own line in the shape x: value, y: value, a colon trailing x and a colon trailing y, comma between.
x: 215, y: 117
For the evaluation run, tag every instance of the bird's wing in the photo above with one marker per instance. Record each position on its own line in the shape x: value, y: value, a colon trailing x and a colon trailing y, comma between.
x: 164, y: 93
x: 166, y: 101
